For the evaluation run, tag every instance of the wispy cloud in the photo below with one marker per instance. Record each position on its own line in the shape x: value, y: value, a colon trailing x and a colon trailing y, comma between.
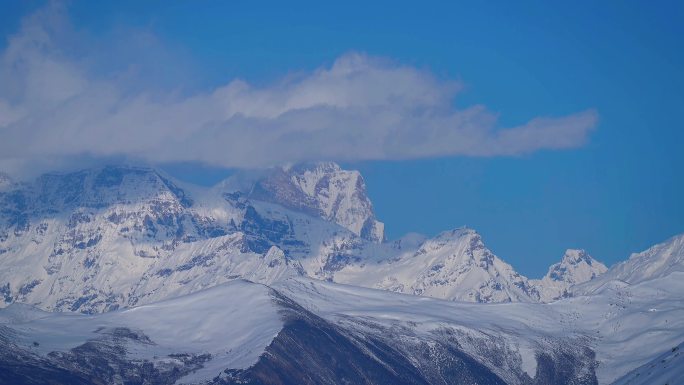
x: 55, y: 102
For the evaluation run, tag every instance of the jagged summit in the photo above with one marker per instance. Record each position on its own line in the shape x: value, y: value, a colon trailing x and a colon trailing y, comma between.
x: 454, y: 265
x: 320, y: 189
x: 98, y: 239
x: 576, y: 267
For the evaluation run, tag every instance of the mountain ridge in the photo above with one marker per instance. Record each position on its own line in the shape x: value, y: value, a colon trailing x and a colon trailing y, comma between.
x: 99, y: 239
x: 128, y: 245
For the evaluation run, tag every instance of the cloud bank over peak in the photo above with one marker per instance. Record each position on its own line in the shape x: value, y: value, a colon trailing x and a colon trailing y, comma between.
x: 55, y: 102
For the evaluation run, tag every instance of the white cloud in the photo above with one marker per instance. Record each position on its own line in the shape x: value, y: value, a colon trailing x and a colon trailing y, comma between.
x: 54, y: 104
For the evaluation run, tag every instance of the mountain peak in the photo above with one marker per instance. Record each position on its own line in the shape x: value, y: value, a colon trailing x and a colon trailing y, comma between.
x: 325, y: 190
x: 576, y: 267
x: 576, y: 257
x: 454, y: 265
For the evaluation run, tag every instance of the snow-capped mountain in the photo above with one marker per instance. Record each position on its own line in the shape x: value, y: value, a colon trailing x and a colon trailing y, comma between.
x: 304, y: 331
x: 455, y: 265
x: 182, y: 338
x: 101, y: 239
x: 323, y: 190
x: 622, y: 327
x: 136, y: 245
x: 632, y: 324
x: 656, y: 262
x: 667, y: 368
x: 308, y: 332
x: 575, y: 267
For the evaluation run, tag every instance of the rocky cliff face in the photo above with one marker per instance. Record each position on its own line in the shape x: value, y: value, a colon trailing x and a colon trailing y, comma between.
x: 323, y: 190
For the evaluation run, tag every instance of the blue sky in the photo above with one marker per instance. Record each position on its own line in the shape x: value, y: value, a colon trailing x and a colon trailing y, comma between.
x: 617, y: 191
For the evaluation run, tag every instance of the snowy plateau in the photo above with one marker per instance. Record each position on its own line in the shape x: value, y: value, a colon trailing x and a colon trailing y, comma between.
x: 123, y: 275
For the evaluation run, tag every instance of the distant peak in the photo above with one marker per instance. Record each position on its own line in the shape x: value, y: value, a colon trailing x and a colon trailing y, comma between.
x: 458, y: 232
x: 673, y: 245
x: 325, y: 190
x: 576, y: 266
x: 575, y: 256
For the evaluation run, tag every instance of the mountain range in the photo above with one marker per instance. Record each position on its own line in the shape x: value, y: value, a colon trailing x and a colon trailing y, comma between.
x: 122, y: 274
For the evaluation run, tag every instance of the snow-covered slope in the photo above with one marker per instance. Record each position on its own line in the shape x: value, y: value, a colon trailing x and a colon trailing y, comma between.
x: 632, y: 324
x: 656, y: 262
x: 625, y: 327
x: 667, y: 368
x: 578, y: 340
x: 455, y: 265
x: 304, y: 332
x: 575, y: 267
x: 505, y: 337
x: 202, y: 333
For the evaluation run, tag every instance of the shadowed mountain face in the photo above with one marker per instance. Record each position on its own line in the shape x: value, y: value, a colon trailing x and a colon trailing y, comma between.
x: 667, y: 368
x: 332, y: 355
x: 307, y: 349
